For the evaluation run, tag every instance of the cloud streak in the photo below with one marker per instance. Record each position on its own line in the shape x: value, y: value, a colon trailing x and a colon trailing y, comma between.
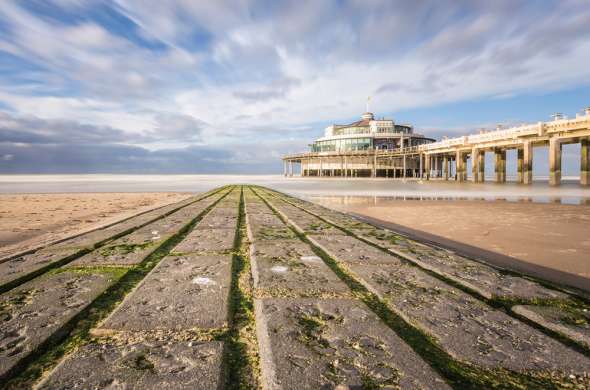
x: 150, y: 77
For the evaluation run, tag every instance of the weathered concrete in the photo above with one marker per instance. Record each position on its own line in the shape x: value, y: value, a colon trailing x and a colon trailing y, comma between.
x: 317, y: 344
x: 554, y: 161
x: 135, y: 247
x: 34, y: 311
x: 207, y: 240
x: 16, y: 268
x: 143, y: 365
x: 585, y: 162
x: 573, y: 323
x: 182, y: 292
x: 520, y: 165
x: 289, y: 268
x: 466, y: 328
x: 500, y: 165
x: 527, y: 162
x: 351, y: 249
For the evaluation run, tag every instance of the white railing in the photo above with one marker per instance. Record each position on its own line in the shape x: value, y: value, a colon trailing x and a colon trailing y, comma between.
x: 540, y: 128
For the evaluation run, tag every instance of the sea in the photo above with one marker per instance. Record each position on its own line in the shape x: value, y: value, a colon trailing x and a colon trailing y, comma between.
x: 339, y: 189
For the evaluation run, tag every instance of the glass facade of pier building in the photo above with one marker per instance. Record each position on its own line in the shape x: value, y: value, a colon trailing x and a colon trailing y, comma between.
x: 367, y: 134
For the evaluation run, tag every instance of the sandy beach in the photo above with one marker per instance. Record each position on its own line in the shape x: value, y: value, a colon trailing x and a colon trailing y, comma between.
x: 556, y: 236
x: 31, y: 220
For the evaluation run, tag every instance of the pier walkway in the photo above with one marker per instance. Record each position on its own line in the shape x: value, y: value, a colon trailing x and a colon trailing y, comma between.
x: 246, y: 287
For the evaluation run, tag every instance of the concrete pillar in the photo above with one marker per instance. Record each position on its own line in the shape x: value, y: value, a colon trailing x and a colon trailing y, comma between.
x: 290, y: 168
x: 374, y: 173
x: 421, y: 166
x: 285, y: 168
x: 527, y: 162
x: 481, y: 166
x: 436, y: 162
x: 520, y: 164
x: 554, y: 161
x: 321, y: 168
x: 585, y: 162
x: 500, y: 165
x: 404, y: 175
x: 345, y: 166
x: 459, y: 166
x: 446, y: 163
x: 474, y: 165
x: 428, y: 160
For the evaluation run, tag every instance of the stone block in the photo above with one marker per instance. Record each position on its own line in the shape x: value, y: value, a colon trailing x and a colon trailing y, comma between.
x: 182, y: 292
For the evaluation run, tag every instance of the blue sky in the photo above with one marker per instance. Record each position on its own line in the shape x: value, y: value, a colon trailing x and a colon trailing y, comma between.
x: 221, y: 86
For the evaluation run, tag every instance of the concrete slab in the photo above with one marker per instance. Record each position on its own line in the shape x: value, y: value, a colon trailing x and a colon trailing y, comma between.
x: 144, y: 365
x: 219, y: 221
x: 16, y: 268
x: 208, y: 240
x: 465, y: 327
x: 34, y: 311
x: 351, y: 250
x: 182, y: 292
x: 135, y: 247
x: 571, y: 322
x: 289, y: 268
x: 321, y: 344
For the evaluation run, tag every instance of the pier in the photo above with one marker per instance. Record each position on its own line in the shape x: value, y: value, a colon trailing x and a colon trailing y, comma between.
x: 448, y: 159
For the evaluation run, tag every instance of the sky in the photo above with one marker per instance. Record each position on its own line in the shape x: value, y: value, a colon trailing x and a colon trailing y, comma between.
x: 192, y: 86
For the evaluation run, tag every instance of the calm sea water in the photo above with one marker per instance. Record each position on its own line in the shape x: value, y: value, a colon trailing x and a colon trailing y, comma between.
x: 569, y: 192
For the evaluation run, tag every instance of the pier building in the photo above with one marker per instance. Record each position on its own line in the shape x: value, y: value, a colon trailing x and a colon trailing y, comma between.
x: 352, y: 150
x: 381, y: 148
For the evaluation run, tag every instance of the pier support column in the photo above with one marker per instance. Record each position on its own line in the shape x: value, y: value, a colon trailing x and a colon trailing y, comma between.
x: 374, y: 171
x: 421, y: 166
x: 427, y: 159
x: 290, y: 168
x: 481, y: 166
x: 527, y: 162
x: 404, y: 174
x: 460, y: 166
x: 500, y: 165
x: 446, y: 163
x: 285, y: 168
x: 585, y: 162
x: 474, y: 165
x: 345, y: 170
x: 520, y: 164
x: 554, y: 161
x: 321, y: 168
x: 436, y: 166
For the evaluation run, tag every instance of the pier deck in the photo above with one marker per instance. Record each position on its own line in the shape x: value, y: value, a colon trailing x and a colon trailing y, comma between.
x: 245, y: 287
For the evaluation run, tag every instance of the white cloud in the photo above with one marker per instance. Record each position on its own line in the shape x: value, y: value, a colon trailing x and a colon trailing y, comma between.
x: 244, y: 68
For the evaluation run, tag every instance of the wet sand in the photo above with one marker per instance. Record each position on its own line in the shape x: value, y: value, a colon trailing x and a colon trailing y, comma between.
x: 552, y: 236
x: 28, y: 221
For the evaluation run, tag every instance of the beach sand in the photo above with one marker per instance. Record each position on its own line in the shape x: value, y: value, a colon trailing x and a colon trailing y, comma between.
x: 555, y: 236
x: 28, y: 221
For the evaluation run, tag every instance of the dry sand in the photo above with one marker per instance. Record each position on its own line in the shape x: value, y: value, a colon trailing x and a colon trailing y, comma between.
x: 556, y: 236
x: 31, y: 220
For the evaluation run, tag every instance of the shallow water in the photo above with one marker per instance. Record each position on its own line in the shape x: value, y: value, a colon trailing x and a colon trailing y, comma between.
x: 367, y: 190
